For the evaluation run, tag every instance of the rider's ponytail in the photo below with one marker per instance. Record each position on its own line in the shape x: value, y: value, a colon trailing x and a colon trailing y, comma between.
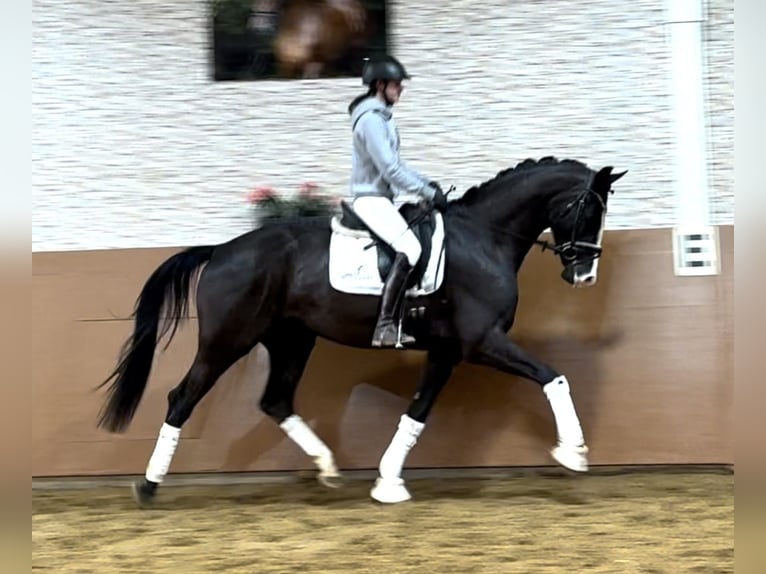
x: 357, y: 100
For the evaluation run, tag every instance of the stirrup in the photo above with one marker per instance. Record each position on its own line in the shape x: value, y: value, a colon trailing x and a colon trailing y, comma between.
x: 401, y: 337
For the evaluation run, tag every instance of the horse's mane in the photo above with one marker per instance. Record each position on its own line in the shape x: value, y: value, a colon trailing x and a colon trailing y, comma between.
x: 519, y: 170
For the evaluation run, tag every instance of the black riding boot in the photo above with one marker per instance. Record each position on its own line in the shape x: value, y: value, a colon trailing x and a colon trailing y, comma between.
x: 386, y: 331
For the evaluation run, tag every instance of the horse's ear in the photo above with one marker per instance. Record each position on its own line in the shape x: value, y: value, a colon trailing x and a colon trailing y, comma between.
x: 615, y: 176
x: 603, y: 180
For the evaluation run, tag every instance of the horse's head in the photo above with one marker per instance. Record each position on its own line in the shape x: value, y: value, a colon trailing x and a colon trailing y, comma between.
x: 577, y: 222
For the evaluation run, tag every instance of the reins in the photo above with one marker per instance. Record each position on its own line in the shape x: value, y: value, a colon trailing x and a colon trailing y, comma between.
x: 569, y: 250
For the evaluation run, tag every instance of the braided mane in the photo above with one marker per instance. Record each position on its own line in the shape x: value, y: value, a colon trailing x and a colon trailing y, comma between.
x: 521, y: 169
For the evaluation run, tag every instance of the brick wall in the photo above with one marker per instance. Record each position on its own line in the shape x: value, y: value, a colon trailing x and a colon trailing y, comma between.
x: 135, y: 146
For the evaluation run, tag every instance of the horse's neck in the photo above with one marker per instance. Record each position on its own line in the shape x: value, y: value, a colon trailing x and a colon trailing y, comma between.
x: 515, y: 214
x: 517, y: 217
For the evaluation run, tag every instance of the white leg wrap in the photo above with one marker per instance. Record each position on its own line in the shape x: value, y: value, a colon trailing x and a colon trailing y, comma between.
x: 295, y: 427
x: 406, y: 436
x: 567, y: 423
x: 159, y: 463
x: 301, y: 433
x: 570, y: 451
x: 389, y: 487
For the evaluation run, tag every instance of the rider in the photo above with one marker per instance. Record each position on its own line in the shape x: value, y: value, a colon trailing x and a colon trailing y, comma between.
x: 378, y: 176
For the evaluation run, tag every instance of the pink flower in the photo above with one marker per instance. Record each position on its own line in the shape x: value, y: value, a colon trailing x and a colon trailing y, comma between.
x: 260, y: 194
x: 309, y: 188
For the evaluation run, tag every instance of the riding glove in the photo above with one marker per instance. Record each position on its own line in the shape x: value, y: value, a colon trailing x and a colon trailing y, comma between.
x: 439, y: 200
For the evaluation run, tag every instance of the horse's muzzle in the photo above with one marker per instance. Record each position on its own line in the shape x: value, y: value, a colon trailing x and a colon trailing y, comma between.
x: 581, y: 273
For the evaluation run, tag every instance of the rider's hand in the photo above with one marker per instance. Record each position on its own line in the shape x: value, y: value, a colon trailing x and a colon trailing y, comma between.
x: 439, y: 200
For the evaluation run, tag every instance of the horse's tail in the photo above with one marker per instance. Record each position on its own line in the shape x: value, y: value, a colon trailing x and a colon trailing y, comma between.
x: 168, y: 287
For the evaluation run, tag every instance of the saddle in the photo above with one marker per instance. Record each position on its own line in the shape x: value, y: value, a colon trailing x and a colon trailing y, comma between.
x: 422, y: 224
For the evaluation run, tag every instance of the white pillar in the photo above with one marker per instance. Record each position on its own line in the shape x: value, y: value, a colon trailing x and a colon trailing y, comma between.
x: 695, y: 242
x: 684, y: 22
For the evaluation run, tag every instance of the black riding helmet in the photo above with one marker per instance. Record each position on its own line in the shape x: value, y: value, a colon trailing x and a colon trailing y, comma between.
x: 383, y: 68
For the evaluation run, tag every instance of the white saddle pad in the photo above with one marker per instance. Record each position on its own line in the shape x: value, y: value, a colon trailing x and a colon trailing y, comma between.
x: 355, y: 270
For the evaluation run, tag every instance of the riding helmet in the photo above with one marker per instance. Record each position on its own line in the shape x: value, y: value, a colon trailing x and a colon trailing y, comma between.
x: 383, y: 68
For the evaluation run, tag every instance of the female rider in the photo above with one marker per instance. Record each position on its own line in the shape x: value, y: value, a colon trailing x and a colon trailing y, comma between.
x: 378, y: 176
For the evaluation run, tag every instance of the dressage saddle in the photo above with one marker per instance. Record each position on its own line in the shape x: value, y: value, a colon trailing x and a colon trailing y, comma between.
x: 422, y: 224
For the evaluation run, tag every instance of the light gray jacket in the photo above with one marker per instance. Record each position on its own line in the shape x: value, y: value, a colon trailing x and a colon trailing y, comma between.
x: 375, y: 165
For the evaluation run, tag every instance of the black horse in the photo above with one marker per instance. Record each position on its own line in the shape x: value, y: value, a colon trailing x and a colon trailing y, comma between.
x: 271, y: 286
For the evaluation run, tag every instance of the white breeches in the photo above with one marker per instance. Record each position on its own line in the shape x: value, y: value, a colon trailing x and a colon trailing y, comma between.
x: 380, y: 214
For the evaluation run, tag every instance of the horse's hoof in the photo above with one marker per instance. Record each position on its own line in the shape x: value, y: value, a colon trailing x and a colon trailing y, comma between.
x: 572, y: 457
x: 390, y: 491
x: 331, y: 480
x: 143, y: 493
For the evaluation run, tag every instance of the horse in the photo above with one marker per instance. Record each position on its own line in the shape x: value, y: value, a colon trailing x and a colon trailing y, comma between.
x: 314, y: 36
x: 279, y: 285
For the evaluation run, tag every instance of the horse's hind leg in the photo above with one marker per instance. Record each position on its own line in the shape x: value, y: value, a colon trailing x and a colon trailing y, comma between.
x: 290, y: 345
x: 208, y: 366
x: 236, y: 298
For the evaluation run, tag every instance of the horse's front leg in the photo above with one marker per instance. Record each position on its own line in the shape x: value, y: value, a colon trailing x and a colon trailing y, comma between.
x: 498, y: 352
x: 389, y: 487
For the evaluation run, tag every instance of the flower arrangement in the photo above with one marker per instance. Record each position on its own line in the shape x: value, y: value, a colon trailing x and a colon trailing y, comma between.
x: 309, y: 201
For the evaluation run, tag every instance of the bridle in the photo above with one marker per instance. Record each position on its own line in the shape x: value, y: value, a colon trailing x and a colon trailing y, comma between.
x: 575, y: 250
x: 572, y: 251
